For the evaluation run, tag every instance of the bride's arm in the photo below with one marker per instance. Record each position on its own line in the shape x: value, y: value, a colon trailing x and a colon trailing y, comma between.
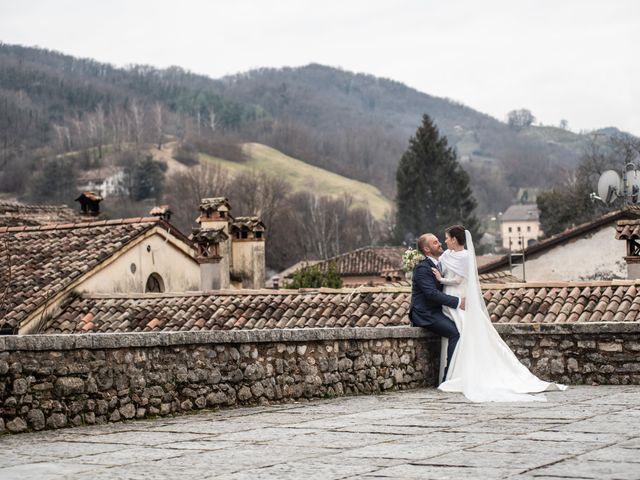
x: 455, y: 279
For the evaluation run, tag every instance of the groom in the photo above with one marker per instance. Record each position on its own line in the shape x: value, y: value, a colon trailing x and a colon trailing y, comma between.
x: 427, y: 297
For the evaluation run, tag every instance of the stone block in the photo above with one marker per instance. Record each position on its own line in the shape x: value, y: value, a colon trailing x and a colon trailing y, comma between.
x: 57, y: 420
x: 610, y: 347
x: 16, y: 425
x: 66, y: 386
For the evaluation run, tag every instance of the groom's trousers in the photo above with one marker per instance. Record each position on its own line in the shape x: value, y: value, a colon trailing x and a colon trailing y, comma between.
x: 444, y: 326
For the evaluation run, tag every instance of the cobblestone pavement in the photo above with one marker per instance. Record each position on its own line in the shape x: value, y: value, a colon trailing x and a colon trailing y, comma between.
x: 586, y: 432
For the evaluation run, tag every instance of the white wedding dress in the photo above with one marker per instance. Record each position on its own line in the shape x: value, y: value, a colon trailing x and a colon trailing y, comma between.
x: 483, y: 367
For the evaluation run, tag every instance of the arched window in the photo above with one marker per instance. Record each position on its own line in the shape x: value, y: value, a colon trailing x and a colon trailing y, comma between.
x: 155, y: 284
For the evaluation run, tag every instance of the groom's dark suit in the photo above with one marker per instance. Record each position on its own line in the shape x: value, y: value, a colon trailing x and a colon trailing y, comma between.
x: 427, y: 300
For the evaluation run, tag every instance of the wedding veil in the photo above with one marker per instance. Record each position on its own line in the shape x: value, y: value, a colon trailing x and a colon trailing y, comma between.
x: 475, y: 300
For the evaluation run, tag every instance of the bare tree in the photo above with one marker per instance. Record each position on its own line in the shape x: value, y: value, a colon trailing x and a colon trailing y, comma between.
x: 158, y: 124
x: 184, y: 190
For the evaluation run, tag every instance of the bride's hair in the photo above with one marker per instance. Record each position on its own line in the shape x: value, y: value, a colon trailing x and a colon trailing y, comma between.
x: 457, y: 232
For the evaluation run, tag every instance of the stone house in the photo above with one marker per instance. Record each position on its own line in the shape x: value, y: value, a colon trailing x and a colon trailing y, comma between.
x: 41, y: 266
x: 366, y: 266
x: 520, y: 227
x: 589, y: 251
x: 105, y: 182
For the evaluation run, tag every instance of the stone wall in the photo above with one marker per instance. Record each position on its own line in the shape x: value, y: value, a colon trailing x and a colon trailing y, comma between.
x: 53, y: 381
x: 578, y: 353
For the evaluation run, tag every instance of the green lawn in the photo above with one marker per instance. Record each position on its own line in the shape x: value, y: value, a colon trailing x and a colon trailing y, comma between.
x: 304, y: 177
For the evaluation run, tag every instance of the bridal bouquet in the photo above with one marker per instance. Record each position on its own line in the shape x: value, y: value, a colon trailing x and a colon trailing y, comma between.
x: 410, y: 258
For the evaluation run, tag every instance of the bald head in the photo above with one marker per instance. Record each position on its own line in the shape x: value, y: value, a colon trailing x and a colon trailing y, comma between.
x: 429, y: 245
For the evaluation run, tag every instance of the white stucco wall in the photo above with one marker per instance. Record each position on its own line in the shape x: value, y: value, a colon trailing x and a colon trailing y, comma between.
x: 249, y: 262
x: 596, y: 256
x: 178, y: 270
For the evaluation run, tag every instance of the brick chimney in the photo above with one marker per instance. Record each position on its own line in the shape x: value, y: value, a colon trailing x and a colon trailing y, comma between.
x: 215, y: 215
x: 248, y: 251
x: 629, y: 231
x: 89, y: 204
x: 208, y: 243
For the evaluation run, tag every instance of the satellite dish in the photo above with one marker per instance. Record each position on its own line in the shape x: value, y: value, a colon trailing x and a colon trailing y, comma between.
x: 633, y: 185
x: 609, y: 186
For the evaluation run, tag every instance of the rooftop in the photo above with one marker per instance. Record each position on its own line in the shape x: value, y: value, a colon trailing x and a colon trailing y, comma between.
x: 629, y: 212
x: 521, y: 213
x: 39, y: 262
x: 557, y: 302
x: 366, y: 261
x: 13, y: 214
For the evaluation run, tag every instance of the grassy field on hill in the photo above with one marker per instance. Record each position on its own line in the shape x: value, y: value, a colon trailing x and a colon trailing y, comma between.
x: 304, y: 177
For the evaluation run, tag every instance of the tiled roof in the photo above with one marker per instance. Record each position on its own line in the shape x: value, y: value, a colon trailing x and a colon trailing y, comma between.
x: 214, y: 203
x: 93, y: 196
x: 14, y: 214
x: 564, y: 302
x: 498, y: 277
x: 234, y: 310
x: 521, y: 213
x: 248, y: 223
x: 628, y: 230
x: 37, y: 263
x: 613, y: 301
x: 628, y: 212
x: 366, y: 261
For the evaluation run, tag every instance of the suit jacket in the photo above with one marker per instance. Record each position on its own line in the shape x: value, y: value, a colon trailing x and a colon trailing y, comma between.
x: 427, y: 297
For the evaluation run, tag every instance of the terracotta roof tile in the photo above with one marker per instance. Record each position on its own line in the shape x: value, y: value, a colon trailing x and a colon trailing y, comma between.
x: 40, y: 262
x: 366, y: 307
x: 13, y: 214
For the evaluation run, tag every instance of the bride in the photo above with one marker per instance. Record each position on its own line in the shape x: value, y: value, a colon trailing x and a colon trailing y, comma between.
x: 482, y: 367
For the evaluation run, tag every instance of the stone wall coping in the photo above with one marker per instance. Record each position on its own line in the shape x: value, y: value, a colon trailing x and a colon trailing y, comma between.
x: 162, y: 339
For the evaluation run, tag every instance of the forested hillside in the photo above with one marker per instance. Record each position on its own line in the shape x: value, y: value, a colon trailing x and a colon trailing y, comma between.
x: 353, y: 124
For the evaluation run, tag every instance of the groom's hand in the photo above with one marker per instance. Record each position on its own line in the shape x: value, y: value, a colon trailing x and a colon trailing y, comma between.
x: 462, y: 304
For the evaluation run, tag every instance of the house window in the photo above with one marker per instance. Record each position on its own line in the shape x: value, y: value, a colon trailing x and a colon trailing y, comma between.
x: 510, y: 229
x: 245, y: 234
x: 528, y: 228
x: 222, y: 214
x: 519, y: 229
x: 258, y: 234
x: 155, y: 284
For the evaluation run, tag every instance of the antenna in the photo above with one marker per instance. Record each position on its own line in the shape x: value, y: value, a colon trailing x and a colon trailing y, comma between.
x: 609, y: 186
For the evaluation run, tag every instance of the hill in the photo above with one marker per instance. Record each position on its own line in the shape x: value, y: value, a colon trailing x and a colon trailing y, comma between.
x: 354, y: 125
x: 307, y: 178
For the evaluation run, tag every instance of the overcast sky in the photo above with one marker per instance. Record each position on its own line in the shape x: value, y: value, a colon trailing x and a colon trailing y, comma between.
x: 562, y: 59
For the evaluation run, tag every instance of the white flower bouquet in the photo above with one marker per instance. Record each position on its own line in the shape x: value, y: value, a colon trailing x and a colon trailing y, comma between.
x: 410, y: 258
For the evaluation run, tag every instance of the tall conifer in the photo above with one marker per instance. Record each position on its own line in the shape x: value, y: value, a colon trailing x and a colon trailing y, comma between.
x: 433, y: 189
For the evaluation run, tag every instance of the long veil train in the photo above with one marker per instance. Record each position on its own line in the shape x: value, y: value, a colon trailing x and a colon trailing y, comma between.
x: 483, y: 366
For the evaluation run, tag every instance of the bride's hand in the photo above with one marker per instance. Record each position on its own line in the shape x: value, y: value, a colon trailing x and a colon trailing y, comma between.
x: 437, y: 274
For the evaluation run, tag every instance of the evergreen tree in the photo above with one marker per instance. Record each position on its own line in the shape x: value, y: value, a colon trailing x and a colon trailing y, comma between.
x: 147, y: 179
x: 433, y: 190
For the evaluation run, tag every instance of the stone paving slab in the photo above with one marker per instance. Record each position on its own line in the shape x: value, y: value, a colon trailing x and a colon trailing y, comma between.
x: 583, y: 433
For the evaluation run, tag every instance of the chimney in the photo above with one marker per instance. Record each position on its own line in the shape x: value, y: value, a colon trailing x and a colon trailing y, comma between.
x: 89, y: 204
x: 248, y: 251
x: 629, y: 231
x: 161, y: 211
x: 208, y: 243
x: 215, y: 216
